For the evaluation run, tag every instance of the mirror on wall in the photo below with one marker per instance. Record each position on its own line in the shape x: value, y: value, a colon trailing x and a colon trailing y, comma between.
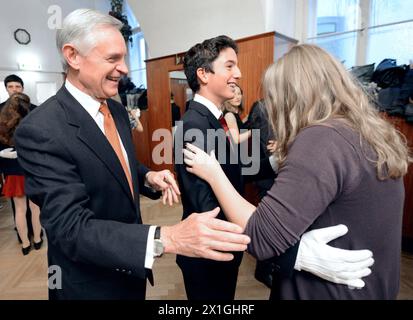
x: 180, y: 94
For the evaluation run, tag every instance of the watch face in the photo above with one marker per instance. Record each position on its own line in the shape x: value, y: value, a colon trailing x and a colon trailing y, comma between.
x: 158, y: 248
x: 22, y: 36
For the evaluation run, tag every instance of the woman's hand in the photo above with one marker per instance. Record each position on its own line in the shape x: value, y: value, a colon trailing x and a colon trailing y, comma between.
x: 272, y: 146
x: 201, y: 164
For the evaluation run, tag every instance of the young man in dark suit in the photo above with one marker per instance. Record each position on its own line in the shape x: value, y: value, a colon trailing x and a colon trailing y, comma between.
x: 211, y: 68
x: 211, y: 77
x: 78, y: 156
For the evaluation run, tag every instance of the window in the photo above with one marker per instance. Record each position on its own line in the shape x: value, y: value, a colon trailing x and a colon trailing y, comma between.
x: 360, y: 32
x: 336, y: 21
x: 3, y: 92
x: 394, y: 40
x: 137, y: 57
x: 137, y: 50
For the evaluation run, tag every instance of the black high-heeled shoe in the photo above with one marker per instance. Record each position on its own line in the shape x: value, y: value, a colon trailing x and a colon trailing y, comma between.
x: 38, y: 245
x: 26, y: 250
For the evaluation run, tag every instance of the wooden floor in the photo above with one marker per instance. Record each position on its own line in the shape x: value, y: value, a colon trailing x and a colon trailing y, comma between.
x: 25, y: 277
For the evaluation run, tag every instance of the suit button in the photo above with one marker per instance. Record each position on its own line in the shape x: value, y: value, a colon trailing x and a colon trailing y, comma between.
x: 123, y: 270
x: 129, y: 272
x: 117, y: 270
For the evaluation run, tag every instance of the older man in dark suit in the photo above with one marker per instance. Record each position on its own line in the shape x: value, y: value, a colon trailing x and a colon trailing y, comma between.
x: 80, y: 165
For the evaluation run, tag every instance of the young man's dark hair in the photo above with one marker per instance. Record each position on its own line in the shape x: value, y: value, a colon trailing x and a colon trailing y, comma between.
x: 13, y: 78
x: 202, y: 55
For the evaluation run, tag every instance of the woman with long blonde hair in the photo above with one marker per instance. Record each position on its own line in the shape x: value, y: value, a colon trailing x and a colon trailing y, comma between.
x: 339, y: 162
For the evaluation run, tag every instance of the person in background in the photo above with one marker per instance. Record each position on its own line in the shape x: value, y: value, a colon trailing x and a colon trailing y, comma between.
x: 136, y: 114
x: 14, y: 84
x: 339, y: 162
x: 8, y: 166
x: 232, y: 109
x: 15, y: 109
x: 175, y: 111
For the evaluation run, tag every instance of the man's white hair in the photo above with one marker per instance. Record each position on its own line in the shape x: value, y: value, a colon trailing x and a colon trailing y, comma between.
x: 79, y: 29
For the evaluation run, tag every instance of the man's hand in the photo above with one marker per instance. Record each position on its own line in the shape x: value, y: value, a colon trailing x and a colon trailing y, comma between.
x: 330, y: 263
x: 164, y: 181
x: 204, y: 236
x: 8, y: 153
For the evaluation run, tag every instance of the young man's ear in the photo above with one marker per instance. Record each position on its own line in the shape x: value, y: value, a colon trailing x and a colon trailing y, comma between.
x: 71, y: 55
x: 202, y: 75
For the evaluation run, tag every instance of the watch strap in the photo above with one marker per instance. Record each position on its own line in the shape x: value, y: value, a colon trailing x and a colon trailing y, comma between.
x: 157, y: 233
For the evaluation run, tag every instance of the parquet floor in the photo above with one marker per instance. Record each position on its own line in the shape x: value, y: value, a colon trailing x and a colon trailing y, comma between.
x: 25, y: 277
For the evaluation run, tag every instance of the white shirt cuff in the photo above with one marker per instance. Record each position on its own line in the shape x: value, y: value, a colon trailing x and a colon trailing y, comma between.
x: 273, y: 163
x: 149, y: 258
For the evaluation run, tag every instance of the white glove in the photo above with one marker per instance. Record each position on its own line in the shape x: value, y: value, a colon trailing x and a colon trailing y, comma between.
x: 8, y: 153
x: 136, y: 113
x: 330, y: 263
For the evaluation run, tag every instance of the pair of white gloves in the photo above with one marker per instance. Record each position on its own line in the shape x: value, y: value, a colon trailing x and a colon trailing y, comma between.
x: 8, y: 153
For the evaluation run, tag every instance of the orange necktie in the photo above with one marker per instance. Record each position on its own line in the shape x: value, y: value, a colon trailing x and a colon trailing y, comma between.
x: 112, y: 135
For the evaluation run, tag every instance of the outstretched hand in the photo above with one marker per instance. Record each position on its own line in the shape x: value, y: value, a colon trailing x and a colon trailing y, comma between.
x: 200, y: 163
x: 202, y: 235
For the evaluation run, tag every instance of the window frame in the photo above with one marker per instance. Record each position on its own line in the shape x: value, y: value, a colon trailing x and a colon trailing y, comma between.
x: 362, y: 30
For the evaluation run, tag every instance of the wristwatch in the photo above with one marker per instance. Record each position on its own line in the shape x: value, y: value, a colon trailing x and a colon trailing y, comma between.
x: 158, y: 245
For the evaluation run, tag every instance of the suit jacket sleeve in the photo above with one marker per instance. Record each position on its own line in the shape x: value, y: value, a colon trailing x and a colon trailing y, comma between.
x: 197, y: 193
x: 54, y: 183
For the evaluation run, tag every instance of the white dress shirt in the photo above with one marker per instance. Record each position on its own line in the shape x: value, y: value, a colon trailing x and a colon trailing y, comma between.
x: 92, y: 107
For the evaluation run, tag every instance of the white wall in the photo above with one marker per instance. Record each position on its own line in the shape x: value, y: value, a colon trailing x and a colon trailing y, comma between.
x: 169, y: 26
x: 174, y: 26
x: 280, y: 16
x: 33, y: 16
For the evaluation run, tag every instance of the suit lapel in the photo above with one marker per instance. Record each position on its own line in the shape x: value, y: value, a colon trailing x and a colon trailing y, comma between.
x: 204, y: 111
x: 90, y: 134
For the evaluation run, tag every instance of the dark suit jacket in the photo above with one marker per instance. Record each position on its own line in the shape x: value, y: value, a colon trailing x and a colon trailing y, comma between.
x: 93, y: 224
x: 197, y: 195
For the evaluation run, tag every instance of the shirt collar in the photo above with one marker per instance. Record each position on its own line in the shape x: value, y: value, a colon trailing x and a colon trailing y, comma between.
x: 87, y: 102
x: 210, y: 105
